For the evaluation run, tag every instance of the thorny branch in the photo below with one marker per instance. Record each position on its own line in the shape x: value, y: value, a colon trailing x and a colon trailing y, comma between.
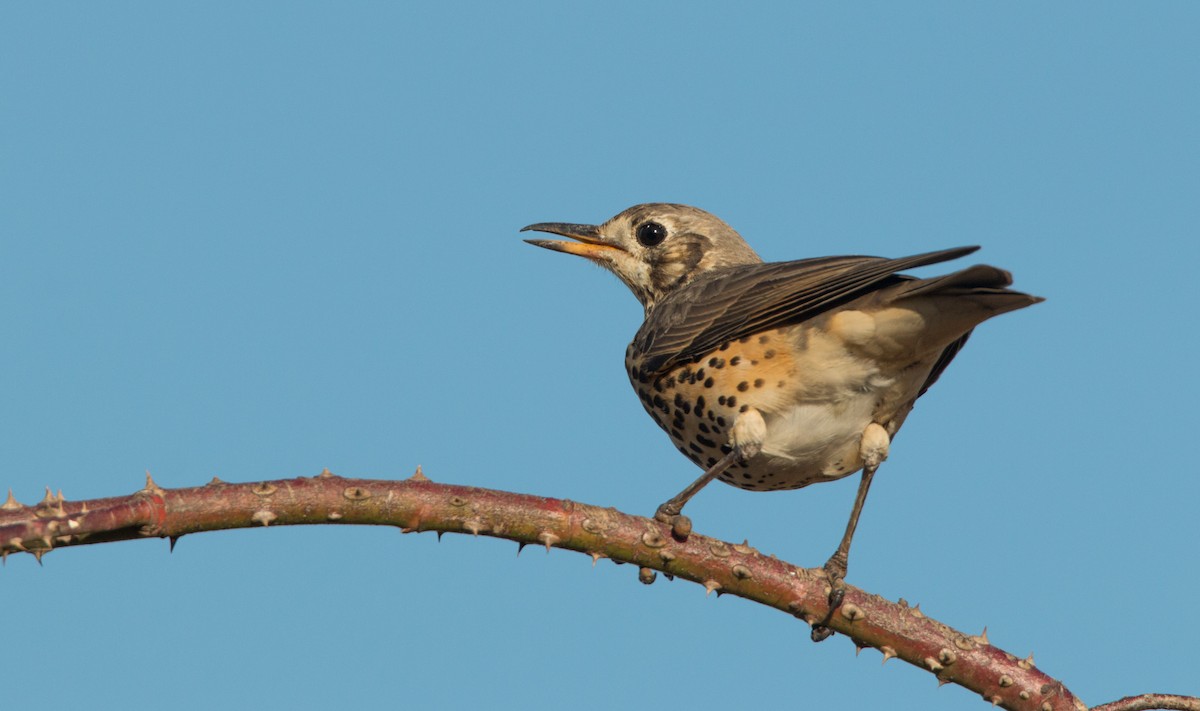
x: 418, y: 504
x: 1145, y: 702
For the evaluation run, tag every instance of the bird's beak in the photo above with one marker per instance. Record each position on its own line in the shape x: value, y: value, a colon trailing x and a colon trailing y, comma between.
x: 590, y: 243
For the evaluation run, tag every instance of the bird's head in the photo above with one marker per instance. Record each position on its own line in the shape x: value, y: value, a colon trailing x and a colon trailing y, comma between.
x: 654, y: 248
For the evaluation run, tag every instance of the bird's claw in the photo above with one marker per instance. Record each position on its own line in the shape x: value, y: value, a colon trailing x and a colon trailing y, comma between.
x: 835, y: 569
x: 681, y: 526
x: 666, y: 512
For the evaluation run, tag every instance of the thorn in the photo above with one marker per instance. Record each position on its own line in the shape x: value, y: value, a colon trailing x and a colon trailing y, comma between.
x: 173, y: 540
x: 1027, y: 662
x: 852, y: 612
x: 858, y: 647
x: 350, y: 493
x: 49, y: 506
x: 38, y: 553
x: 718, y: 548
x: 83, y: 507
x: 439, y: 535
x: 151, y: 487
x: 325, y: 474
x: 595, y: 557
x: 681, y: 527
x: 995, y: 700
x: 942, y: 682
x: 982, y: 638
x: 418, y: 475
x: 888, y: 653
x: 264, y: 517
x: 11, y: 504
x: 548, y: 538
x: 933, y: 665
x: 3, y: 556
x: 710, y: 585
x: 916, y: 611
x: 520, y: 547
x: 653, y: 539
x: 215, y: 481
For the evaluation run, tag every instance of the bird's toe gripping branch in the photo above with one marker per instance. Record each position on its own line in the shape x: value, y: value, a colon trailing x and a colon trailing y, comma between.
x: 746, y: 438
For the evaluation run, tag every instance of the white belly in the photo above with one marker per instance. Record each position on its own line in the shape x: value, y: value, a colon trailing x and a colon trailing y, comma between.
x: 806, y: 433
x: 813, y: 442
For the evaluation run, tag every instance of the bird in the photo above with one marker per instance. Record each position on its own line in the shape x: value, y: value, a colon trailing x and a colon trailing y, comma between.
x: 774, y: 376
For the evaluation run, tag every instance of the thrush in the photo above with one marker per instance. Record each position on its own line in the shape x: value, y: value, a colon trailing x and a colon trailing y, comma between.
x: 778, y: 375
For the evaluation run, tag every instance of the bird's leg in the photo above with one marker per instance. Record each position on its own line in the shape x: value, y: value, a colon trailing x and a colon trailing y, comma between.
x: 670, y: 511
x: 874, y: 449
x: 746, y: 438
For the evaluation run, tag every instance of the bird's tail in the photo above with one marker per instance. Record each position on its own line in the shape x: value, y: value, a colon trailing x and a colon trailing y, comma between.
x: 982, y: 285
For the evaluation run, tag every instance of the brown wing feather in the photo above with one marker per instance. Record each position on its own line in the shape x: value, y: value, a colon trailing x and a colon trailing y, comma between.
x: 943, y: 360
x: 745, y: 300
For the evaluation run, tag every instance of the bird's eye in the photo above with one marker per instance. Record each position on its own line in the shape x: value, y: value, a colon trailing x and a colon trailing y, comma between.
x: 651, y: 234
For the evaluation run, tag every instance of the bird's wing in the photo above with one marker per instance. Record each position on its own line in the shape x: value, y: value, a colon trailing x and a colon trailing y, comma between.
x: 745, y: 300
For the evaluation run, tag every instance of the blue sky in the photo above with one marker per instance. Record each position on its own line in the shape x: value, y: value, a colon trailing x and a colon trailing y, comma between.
x: 253, y: 240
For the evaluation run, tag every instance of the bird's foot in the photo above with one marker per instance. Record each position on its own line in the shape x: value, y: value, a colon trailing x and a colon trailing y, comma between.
x: 835, y: 570
x: 681, y: 526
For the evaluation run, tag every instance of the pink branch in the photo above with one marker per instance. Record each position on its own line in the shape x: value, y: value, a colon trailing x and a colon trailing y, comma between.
x: 418, y: 504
